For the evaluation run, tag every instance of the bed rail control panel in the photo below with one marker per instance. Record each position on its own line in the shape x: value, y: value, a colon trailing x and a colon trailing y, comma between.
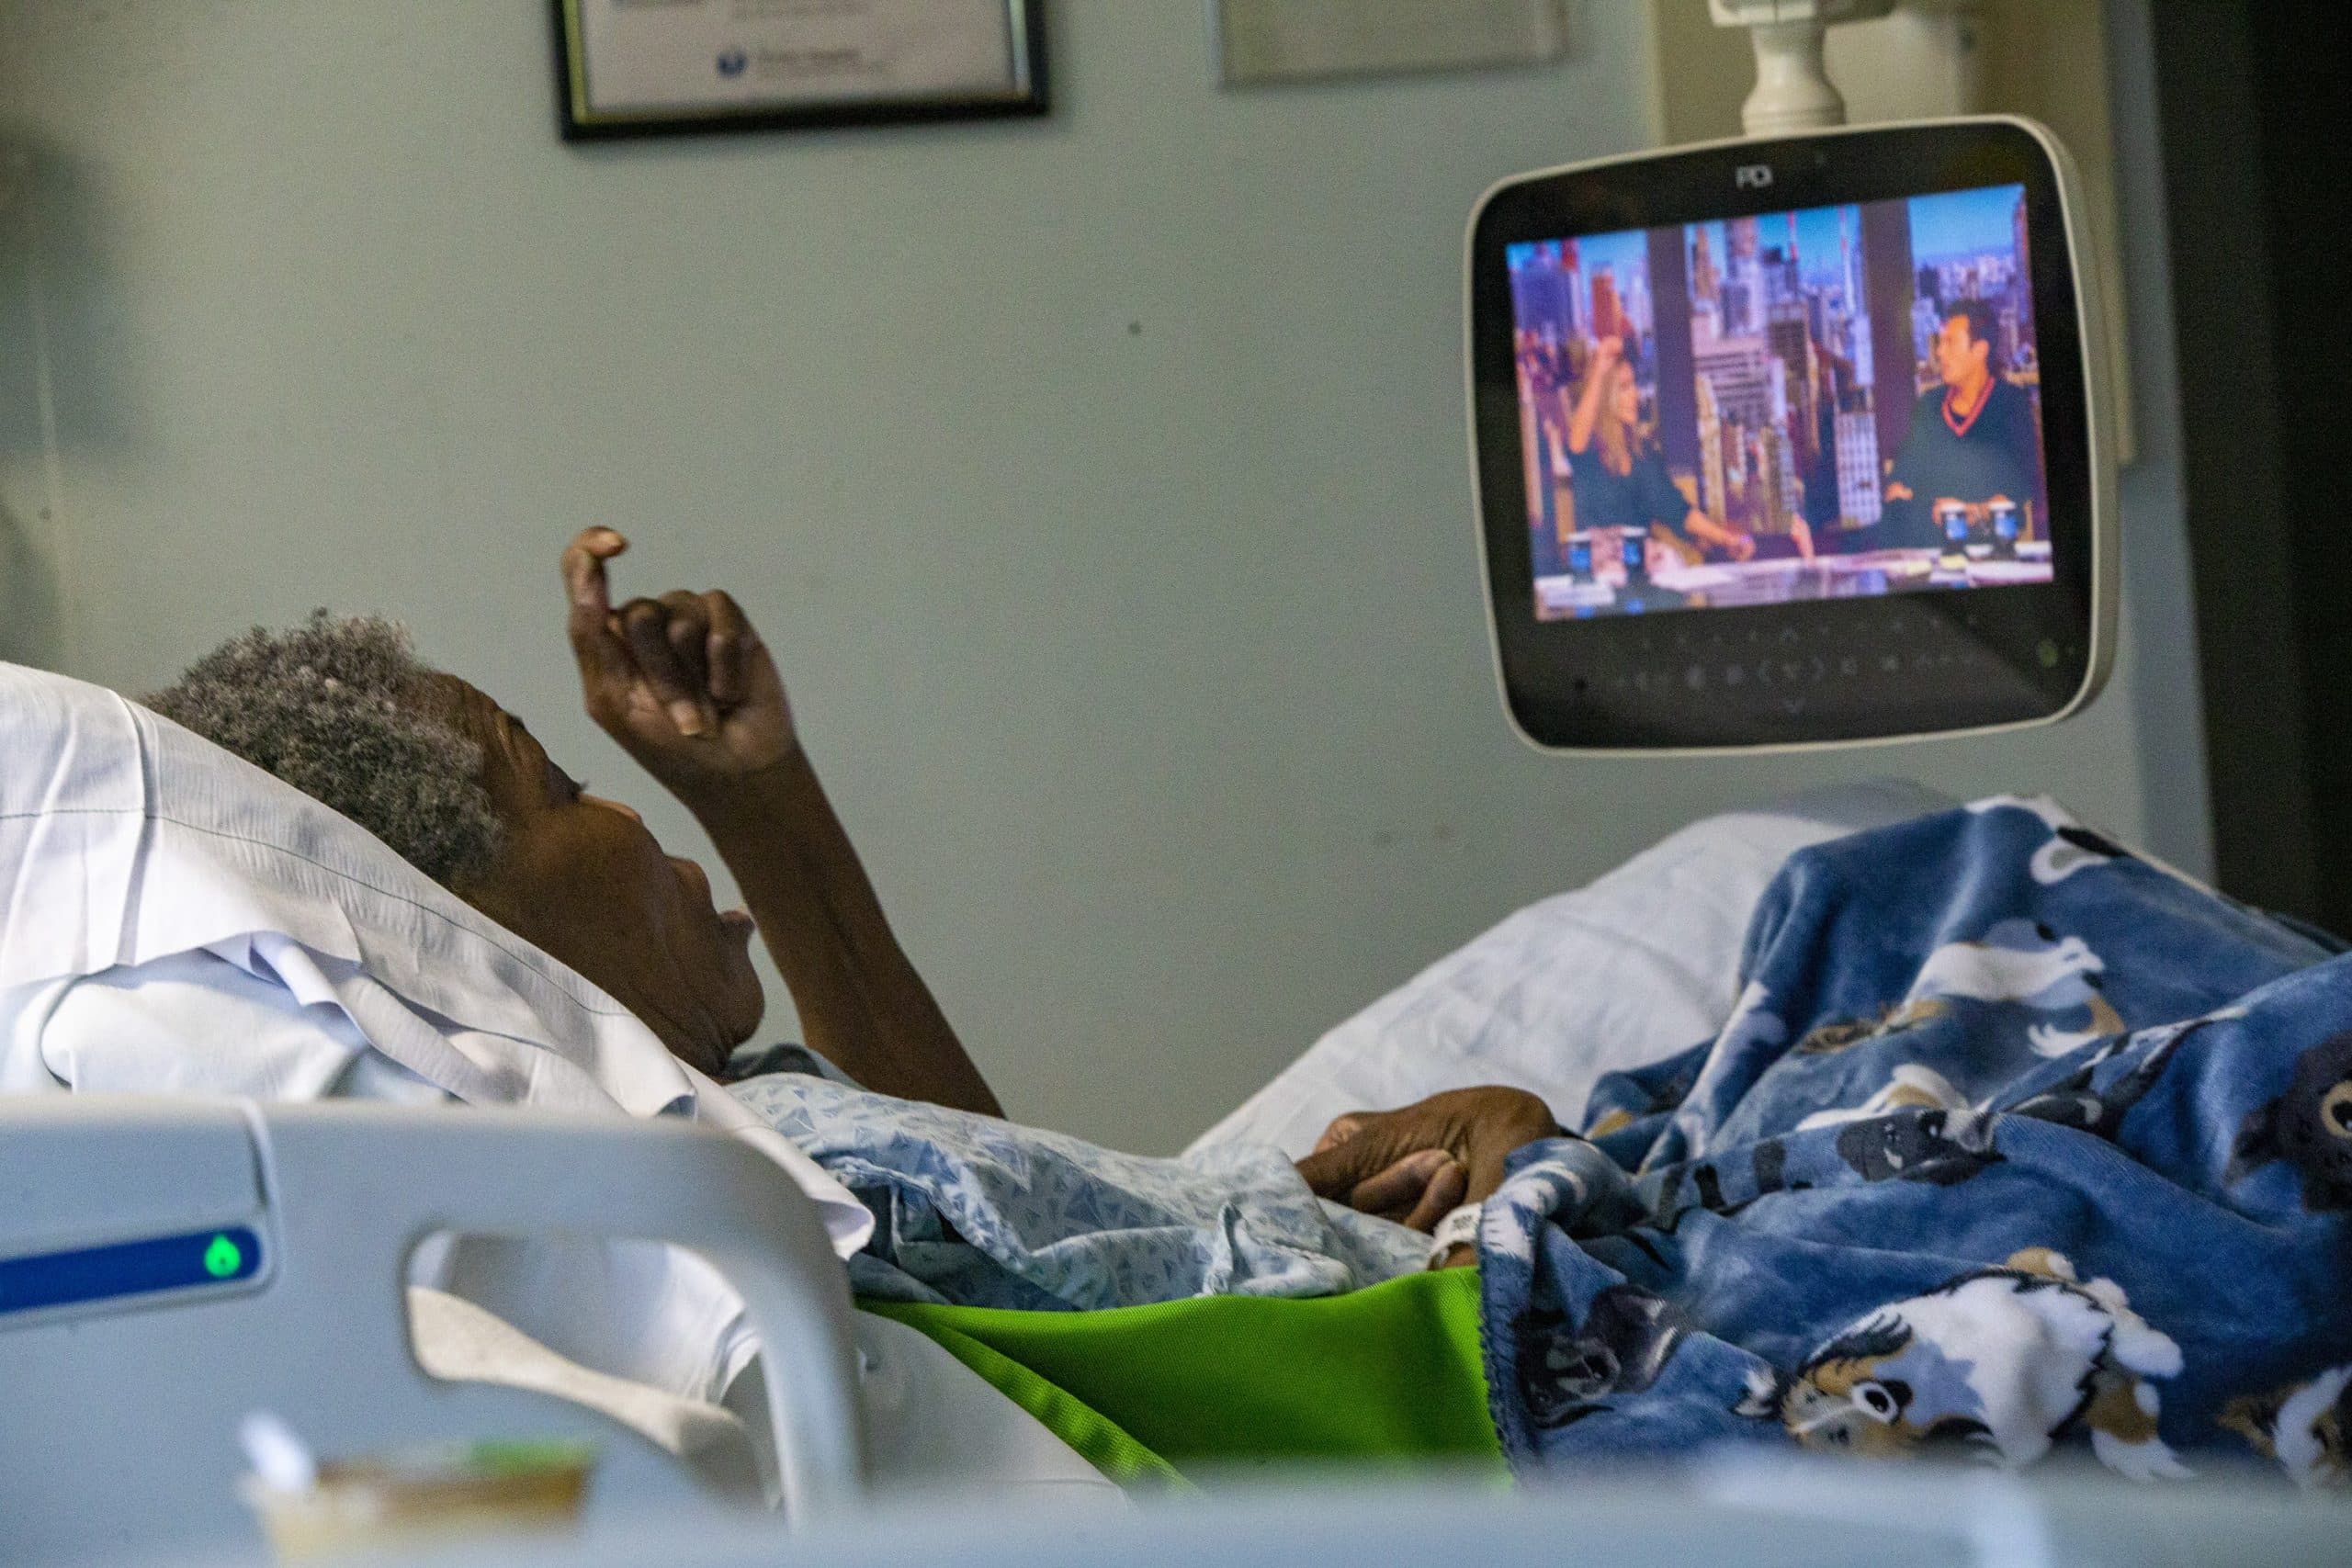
x: 144, y: 1270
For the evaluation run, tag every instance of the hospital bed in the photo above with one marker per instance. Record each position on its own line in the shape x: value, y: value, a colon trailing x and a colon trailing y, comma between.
x: 119, y: 1439
x: 335, y: 1195
x: 175, y: 1265
x: 206, y: 930
x: 246, y: 889
x: 884, y: 1452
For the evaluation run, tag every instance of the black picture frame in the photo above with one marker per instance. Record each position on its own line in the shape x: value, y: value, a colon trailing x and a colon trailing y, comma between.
x: 575, y: 121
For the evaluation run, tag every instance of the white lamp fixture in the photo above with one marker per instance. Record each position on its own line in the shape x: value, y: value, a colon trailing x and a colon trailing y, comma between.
x: 1793, y: 92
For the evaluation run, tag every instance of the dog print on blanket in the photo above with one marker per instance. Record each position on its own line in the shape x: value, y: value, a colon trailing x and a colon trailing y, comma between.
x: 1999, y: 1364
x: 1568, y: 1371
x: 2070, y: 847
x: 2306, y: 1427
x: 1845, y: 1033
x: 2310, y: 1127
x: 2025, y: 961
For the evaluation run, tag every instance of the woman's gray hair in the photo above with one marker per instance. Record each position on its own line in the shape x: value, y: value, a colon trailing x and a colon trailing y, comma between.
x: 340, y: 708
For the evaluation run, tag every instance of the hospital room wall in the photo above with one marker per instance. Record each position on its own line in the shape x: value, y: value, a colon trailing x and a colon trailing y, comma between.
x: 1098, y: 480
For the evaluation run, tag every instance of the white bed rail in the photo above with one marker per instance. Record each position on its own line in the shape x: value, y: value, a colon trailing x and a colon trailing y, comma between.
x: 121, y: 1409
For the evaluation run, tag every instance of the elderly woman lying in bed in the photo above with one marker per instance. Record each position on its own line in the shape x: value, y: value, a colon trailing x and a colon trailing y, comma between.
x: 463, y: 789
x: 2012, y: 1141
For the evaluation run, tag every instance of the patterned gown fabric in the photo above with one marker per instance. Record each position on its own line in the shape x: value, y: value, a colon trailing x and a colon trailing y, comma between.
x: 974, y: 1211
x: 2015, y: 1145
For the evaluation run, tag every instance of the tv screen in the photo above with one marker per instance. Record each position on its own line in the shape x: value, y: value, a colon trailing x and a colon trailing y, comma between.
x: 1833, y: 402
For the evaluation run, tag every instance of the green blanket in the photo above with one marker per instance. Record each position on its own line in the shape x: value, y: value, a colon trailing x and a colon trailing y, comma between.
x: 1166, y: 1393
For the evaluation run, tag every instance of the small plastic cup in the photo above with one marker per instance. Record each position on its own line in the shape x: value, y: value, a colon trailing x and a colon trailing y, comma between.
x: 402, y: 1500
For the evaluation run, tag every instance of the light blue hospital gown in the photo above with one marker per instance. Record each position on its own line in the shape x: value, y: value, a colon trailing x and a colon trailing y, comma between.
x: 977, y: 1212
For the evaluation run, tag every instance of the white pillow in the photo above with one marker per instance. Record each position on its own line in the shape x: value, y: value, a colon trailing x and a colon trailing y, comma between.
x: 162, y: 899
x: 1637, y: 965
x: 125, y: 837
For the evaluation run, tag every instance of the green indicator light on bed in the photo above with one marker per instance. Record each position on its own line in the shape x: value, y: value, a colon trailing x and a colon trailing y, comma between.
x: 223, y: 1257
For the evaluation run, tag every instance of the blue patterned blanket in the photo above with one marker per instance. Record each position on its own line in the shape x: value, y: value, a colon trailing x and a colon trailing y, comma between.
x: 2015, y: 1144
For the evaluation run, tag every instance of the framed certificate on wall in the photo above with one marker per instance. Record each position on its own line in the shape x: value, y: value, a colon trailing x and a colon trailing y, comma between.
x: 667, y: 67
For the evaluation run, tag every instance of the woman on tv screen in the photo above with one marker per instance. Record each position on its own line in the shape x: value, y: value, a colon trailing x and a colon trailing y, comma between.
x: 1618, y: 472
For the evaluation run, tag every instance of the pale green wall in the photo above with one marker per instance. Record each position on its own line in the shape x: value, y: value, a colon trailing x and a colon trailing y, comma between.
x: 1099, y: 482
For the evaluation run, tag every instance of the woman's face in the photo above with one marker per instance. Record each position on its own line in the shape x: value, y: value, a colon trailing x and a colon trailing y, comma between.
x: 580, y: 877
x: 1625, y: 397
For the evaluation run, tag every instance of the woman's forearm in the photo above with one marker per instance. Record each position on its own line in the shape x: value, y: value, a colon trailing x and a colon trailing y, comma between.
x: 1586, y: 414
x: 862, y: 1005
x: 1707, y: 528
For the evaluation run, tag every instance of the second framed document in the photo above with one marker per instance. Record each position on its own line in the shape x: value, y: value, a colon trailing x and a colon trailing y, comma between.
x: 666, y: 67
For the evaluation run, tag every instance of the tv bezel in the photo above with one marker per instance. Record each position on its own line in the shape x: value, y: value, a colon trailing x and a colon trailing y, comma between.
x: 1546, y: 668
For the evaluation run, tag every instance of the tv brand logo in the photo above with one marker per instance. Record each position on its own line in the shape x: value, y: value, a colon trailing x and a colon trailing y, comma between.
x: 1752, y: 177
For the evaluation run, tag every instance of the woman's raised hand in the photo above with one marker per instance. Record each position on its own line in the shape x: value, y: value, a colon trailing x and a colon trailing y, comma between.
x: 681, y: 680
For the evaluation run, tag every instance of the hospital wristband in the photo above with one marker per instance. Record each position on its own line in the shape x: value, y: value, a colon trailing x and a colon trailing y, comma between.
x: 1459, y: 1228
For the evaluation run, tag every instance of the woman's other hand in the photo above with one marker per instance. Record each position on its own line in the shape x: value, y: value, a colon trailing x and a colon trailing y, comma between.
x: 1414, y: 1164
x: 1668, y: 551
x: 682, y: 682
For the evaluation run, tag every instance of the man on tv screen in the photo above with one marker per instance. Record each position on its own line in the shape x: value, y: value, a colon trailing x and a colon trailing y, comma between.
x: 1972, y: 440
